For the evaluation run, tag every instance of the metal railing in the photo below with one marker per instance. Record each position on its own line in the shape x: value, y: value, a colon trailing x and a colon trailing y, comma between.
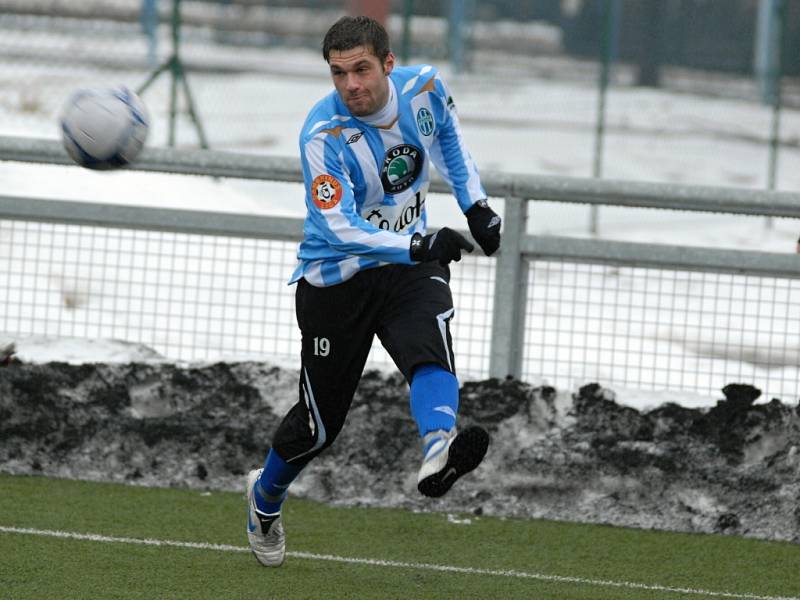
x: 562, y: 309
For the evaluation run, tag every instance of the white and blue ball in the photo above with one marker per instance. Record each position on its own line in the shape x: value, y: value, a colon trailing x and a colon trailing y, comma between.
x: 104, y: 128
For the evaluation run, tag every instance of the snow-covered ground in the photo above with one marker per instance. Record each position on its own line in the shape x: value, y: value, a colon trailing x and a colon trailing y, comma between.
x: 528, y: 124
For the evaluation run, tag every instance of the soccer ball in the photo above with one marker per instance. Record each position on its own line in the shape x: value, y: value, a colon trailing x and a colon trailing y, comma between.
x: 104, y: 128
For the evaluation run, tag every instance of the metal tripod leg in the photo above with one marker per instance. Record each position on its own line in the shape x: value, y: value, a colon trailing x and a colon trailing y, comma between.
x: 175, y: 67
x: 192, y: 112
x: 153, y: 76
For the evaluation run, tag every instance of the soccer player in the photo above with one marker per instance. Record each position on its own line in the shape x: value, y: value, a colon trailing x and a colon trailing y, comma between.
x: 367, y: 265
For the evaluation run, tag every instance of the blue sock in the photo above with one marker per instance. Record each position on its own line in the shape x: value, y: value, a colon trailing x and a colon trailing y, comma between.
x: 434, y: 398
x: 273, y: 485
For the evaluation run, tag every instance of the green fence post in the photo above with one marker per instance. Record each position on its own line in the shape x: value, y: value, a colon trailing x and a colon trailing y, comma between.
x: 175, y: 69
x: 455, y: 38
x: 607, y: 43
x: 777, y: 76
x: 405, y: 48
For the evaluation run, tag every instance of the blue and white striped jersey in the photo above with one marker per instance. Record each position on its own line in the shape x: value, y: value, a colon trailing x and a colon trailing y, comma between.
x: 366, y: 185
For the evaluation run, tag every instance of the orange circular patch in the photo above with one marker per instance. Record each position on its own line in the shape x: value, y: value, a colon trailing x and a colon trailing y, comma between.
x: 326, y: 191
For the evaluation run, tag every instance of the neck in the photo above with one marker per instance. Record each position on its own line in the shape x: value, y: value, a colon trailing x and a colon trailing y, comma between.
x: 385, y: 114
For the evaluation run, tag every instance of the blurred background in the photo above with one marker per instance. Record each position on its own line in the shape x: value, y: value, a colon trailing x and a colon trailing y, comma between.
x: 680, y: 92
x: 609, y: 78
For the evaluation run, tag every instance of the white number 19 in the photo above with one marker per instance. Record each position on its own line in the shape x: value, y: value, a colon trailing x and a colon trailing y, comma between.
x: 322, y: 347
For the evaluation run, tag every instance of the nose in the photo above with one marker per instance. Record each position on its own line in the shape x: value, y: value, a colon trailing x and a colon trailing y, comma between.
x: 352, y: 82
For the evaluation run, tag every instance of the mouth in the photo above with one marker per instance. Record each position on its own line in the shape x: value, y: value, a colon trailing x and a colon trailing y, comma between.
x: 359, y: 103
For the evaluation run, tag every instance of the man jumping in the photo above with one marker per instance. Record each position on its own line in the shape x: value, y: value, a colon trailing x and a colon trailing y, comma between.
x: 368, y: 267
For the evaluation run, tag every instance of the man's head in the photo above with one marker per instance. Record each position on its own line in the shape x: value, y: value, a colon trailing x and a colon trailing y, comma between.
x: 357, y: 51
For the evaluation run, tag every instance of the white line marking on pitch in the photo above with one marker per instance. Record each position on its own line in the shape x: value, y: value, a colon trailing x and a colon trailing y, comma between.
x: 91, y: 537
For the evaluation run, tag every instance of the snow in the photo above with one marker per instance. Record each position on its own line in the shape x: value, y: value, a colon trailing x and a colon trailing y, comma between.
x: 43, y: 349
x: 528, y: 124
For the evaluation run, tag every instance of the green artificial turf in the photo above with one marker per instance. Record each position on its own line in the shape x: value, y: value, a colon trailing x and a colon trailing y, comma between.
x: 548, y: 559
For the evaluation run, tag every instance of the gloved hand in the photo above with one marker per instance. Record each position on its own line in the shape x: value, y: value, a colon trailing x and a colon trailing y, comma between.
x: 444, y: 245
x: 484, y: 225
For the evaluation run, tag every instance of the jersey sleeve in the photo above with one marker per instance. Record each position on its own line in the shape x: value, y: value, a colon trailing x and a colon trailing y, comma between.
x: 332, y: 213
x: 449, y: 152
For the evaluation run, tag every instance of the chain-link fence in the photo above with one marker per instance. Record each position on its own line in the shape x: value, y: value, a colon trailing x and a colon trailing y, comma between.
x: 200, y: 297
x: 189, y: 297
x: 662, y: 329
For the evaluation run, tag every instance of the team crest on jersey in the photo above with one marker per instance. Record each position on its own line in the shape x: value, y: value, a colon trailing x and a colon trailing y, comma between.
x: 425, y: 121
x: 326, y: 191
x: 402, y: 165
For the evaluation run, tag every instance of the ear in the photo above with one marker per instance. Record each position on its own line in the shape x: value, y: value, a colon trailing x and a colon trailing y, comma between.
x: 388, y: 64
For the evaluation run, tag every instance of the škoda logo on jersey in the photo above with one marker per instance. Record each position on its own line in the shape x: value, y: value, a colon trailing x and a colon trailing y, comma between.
x: 326, y: 191
x: 402, y: 165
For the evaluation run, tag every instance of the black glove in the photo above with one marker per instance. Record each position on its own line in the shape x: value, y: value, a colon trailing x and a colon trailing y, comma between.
x: 484, y: 225
x: 444, y: 245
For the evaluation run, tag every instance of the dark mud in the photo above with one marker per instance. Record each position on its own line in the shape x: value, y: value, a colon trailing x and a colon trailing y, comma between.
x: 731, y: 469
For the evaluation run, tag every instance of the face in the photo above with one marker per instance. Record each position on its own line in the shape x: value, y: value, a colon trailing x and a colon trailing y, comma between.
x: 361, y: 79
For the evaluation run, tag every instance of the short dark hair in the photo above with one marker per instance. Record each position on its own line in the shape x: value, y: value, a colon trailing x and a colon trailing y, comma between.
x: 349, y: 32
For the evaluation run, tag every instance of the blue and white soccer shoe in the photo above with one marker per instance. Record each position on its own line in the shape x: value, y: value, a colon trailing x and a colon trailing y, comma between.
x: 264, y: 531
x: 449, y: 456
